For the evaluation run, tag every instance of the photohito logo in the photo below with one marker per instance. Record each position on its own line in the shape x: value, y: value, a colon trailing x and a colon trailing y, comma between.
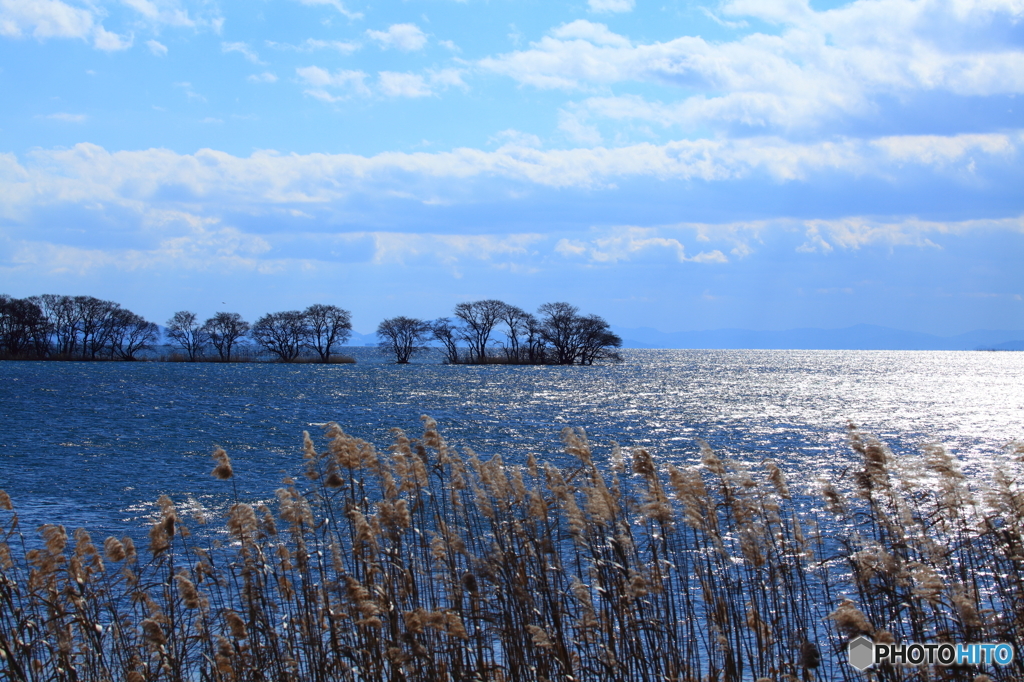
x: 864, y: 653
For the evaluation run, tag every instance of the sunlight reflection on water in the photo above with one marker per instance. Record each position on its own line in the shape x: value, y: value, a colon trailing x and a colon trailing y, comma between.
x: 96, y: 443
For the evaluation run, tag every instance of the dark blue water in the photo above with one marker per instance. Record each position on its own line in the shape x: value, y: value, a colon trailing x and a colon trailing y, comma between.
x: 94, y: 444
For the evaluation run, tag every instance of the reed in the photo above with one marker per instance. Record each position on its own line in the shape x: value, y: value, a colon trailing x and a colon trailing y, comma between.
x: 425, y: 563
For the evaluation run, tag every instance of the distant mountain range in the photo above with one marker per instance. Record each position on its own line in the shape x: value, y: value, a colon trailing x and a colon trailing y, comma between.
x: 857, y: 337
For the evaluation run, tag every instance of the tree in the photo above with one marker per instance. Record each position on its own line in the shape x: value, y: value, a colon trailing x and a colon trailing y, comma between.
x: 65, y: 321
x: 284, y: 334
x: 402, y: 336
x: 479, y: 318
x: 186, y: 331
x: 24, y: 329
x: 515, y: 319
x: 442, y: 329
x: 329, y: 326
x: 130, y: 333
x: 224, y: 331
x: 575, y: 337
x: 597, y: 340
x: 558, y: 327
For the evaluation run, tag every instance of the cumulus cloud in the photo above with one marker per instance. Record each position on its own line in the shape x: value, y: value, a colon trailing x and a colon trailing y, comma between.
x: 42, y: 19
x: 348, y: 81
x: 405, y: 37
x: 821, y: 66
x: 402, y: 84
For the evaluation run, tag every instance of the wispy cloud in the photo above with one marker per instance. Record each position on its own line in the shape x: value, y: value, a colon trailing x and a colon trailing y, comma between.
x: 405, y: 37
x: 244, y: 50
x: 265, y: 77
x: 312, y: 44
x: 65, y: 117
x: 610, y: 5
x: 336, y: 4
x: 157, y: 48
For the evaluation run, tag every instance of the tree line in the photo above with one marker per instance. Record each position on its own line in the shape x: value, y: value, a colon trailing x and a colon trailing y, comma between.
x: 87, y: 328
x: 488, y: 331
x: 492, y: 331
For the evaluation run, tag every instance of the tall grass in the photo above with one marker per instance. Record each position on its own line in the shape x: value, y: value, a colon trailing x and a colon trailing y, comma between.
x: 424, y: 563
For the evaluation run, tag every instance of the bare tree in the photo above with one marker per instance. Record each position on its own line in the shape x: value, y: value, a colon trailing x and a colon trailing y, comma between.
x: 96, y: 318
x: 479, y: 318
x: 186, y: 331
x: 402, y: 336
x: 284, y: 334
x: 559, y: 328
x: 329, y: 326
x: 597, y: 340
x: 131, y: 333
x: 515, y: 319
x: 444, y: 331
x: 577, y: 338
x: 65, y: 322
x: 225, y: 330
x: 24, y: 329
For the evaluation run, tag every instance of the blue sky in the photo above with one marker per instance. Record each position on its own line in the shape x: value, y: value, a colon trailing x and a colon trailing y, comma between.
x: 763, y: 164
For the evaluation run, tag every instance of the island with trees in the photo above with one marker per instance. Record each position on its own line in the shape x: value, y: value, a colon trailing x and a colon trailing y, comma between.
x: 495, y: 332
x: 61, y: 327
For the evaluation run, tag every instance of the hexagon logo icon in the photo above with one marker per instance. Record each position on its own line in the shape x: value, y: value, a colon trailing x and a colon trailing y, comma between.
x: 862, y: 653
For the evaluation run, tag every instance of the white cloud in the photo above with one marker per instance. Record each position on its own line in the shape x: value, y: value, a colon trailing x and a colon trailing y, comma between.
x: 44, y: 19
x: 822, y: 65
x: 630, y: 243
x: 157, y: 48
x: 405, y: 37
x: 350, y: 81
x: 610, y: 5
x: 447, y: 249
x: 336, y: 4
x: 67, y: 118
x: 167, y: 13
x: 265, y: 77
x: 242, y: 49
x: 402, y: 84
x: 312, y: 44
x: 389, y: 83
x: 87, y: 174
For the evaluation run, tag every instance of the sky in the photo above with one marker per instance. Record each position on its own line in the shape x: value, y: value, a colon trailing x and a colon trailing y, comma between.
x: 758, y: 164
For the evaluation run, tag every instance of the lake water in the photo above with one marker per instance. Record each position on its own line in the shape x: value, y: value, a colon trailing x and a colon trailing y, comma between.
x: 95, y: 444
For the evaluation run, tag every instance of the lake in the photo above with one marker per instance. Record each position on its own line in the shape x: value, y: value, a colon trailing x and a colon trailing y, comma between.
x: 94, y: 444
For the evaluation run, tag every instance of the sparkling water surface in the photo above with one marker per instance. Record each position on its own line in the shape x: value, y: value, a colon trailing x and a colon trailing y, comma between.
x: 94, y: 444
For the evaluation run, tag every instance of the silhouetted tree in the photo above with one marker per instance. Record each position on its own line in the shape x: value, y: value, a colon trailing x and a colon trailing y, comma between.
x: 186, y: 331
x: 402, y: 336
x: 284, y: 334
x: 24, y: 329
x: 479, y: 318
x: 329, y: 326
x: 130, y: 333
x: 515, y: 319
x: 64, y: 318
x: 225, y: 330
x: 442, y: 329
x: 574, y: 337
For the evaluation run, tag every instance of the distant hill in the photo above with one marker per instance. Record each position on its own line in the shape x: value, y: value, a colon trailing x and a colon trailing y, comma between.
x: 857, y: 337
